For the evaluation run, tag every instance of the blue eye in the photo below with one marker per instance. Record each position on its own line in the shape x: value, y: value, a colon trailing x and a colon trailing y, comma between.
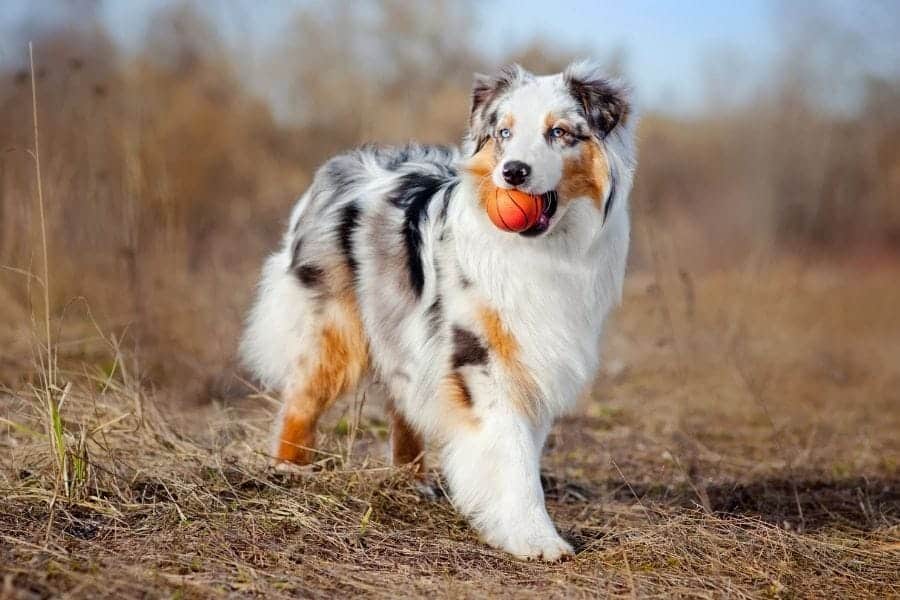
x: 504, y: 133
x: 557, y: 132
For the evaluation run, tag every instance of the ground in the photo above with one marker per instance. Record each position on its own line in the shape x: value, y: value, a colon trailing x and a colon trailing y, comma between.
x: 741, y: 441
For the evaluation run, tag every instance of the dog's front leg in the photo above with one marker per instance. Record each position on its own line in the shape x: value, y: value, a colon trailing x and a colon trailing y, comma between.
x: 493, y: 469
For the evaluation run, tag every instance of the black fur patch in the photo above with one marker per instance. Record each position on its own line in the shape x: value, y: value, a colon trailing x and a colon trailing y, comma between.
x: 467, y: 349
x: 295, y: 252
x: 413, y: 195
x: 435, y: 315
x: 464, y: 282
x: 612, y: 195
x: 310, y: 275
x: 348, y: 224
x: 480, y: 143
x: 448, y: 193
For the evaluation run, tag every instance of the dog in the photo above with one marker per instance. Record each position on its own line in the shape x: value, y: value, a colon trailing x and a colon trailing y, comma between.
x: 391, y: 271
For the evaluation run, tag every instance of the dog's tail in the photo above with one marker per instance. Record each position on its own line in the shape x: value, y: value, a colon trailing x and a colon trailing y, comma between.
x: 278, y: 323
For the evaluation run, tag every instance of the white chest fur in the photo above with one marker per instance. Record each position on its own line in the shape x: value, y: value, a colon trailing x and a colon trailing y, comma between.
x: 552, y: 294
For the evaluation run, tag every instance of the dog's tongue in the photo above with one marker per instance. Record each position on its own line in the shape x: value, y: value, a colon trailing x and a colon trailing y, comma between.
x: 543, y: 221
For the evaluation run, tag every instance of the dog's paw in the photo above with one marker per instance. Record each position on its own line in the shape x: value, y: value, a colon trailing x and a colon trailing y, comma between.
x: 544, y: 545
x: 549, y: 549
x: 293, y: 468
x: 285, y: 473
x: 428, y: 489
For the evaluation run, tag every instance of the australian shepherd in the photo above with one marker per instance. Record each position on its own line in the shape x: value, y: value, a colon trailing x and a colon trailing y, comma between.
x: 391, y: 271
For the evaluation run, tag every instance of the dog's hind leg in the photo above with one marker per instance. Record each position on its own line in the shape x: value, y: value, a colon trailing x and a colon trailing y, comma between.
x: 406, y: 444
x: 333, y: 366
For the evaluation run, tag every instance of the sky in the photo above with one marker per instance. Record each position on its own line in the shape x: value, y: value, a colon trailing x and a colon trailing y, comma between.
x: 666, y: 42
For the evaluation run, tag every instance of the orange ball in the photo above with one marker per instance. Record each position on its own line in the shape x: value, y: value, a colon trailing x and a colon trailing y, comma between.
x: 512, y: 210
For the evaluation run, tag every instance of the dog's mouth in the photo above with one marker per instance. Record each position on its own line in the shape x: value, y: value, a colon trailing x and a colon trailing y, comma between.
x: 549, y: 200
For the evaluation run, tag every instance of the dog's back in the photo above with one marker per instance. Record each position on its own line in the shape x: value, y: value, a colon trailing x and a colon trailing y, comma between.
x: 371, y: 200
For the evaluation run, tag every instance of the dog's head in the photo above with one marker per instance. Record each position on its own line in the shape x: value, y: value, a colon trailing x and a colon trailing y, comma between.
x: 546, y: 135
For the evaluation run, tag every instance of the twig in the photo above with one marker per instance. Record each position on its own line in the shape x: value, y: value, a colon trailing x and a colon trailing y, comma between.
x: 631, y: 489
x: 40, y: 193
x: 629, y: 573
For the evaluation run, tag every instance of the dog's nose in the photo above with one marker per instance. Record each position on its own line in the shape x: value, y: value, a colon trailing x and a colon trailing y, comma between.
x: 515, y: 172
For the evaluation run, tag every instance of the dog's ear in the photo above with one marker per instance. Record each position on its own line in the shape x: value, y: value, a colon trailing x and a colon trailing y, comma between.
x: 483, y: 89
x: 486, y: 90
x: 605, y: 102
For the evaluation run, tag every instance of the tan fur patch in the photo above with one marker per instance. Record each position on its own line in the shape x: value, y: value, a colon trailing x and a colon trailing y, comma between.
x: 458, y: 391
x: 343, y: 356
x: 504, y: 345
x: 297, y: 438
x: 341, y: 362
x: 406, y: 444
x: 339, y: 280
x: 551, y: 121
x: 458, y: 399
x: 499, y: 339
x: 586, y: 175
x: 483, y: 162
x: 481, y: 165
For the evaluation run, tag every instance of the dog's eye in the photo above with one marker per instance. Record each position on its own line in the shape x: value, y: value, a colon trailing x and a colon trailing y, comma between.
x: 504, y: 133
x: 558, y: 132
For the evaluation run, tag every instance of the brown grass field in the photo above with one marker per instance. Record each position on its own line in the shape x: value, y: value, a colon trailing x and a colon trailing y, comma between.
x: 741, y: 442
x: 742, y: 439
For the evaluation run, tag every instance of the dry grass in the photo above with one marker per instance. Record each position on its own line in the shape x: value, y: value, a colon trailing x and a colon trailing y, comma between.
x: 741, y: 444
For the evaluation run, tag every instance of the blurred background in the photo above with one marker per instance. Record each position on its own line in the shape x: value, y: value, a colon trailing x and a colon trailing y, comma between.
x: 175, y: 136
